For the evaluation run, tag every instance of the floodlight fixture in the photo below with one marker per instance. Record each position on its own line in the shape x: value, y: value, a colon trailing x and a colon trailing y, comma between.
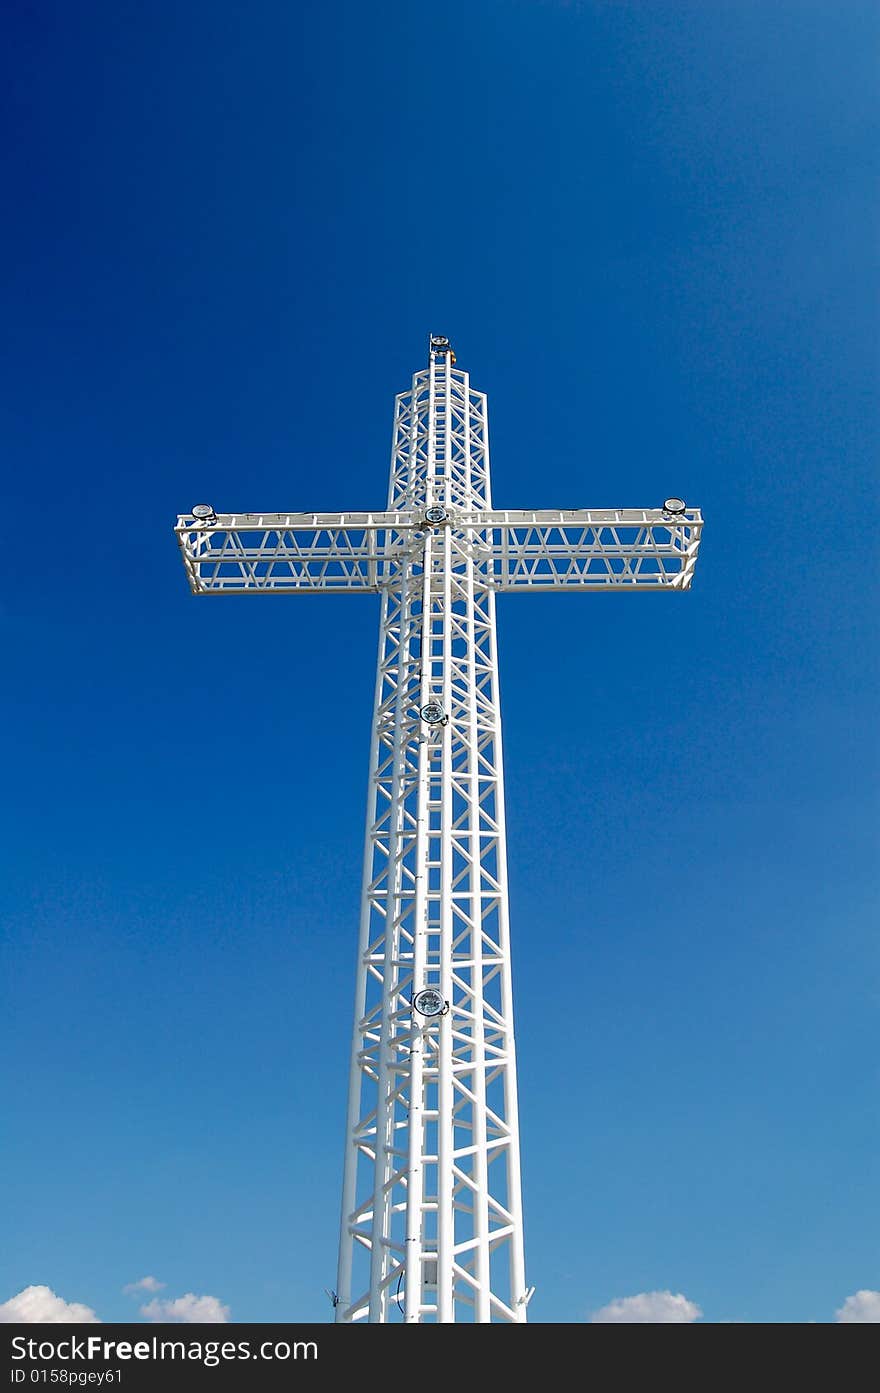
x: 430, y: 1003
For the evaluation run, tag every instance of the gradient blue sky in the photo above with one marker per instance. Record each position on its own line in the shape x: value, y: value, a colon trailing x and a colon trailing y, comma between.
x: 651, y: 232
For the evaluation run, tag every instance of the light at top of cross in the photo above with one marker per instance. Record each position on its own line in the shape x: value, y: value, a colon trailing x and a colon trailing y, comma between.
x: 439, y: 345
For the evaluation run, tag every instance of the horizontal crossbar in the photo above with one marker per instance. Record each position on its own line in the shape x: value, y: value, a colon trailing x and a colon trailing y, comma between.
x: 583, y: 549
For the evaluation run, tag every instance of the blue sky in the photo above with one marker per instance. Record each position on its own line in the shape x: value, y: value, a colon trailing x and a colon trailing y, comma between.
x: 651, y: 232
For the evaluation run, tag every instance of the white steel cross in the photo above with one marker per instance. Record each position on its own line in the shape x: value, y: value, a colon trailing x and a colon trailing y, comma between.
x: 431, y: 1225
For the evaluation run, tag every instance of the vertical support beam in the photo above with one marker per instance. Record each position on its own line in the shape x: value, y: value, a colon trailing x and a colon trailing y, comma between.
x: 350, y: 1162
x: 482, y: 1310
x: 432, y: 1189
x: 511, y: 1097
x: 445, y: 1215
x: 385, y: 1078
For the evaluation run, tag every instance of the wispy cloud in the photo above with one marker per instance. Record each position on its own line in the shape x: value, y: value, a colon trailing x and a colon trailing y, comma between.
x: 144, y: 1284
x: 41, y: 1306
x: 188, y: 1309
x: 648, y: 1308
x: 863, y: 1308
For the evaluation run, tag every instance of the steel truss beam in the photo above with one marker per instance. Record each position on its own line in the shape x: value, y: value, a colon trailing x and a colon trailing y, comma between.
x: 574, y: 549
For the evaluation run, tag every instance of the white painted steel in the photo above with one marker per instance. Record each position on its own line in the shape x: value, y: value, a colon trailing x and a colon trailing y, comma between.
x: 586, y: 549
x: 431, y: 1223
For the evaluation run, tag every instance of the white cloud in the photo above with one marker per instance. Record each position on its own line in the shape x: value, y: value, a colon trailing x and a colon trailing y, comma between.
x: 861, y: 1309
x: 648, y: 1308
x: 40, y: 1306
x: 188, y: 1309
x: 144, y: 1284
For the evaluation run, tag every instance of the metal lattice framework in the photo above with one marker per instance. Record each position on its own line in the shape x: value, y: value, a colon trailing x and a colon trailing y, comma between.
x: 584, y: 549
x: 431, y: 1211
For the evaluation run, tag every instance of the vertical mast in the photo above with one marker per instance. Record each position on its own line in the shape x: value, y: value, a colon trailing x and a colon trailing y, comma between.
x: 431, y: 1215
